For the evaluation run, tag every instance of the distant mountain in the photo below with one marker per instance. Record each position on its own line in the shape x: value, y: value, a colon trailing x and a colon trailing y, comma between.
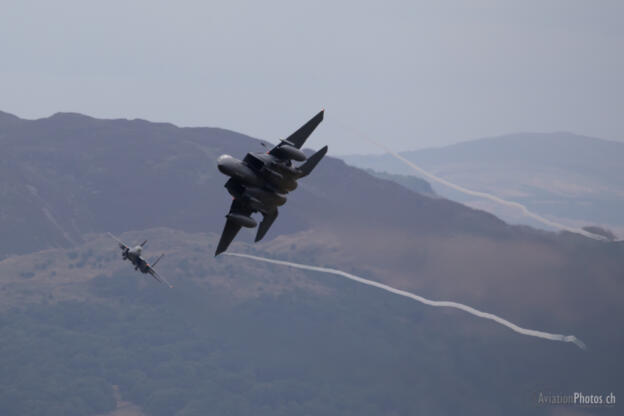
x: 236, y: 333
x: 409, y: 181
x: 69, y: 174
x: 576, y: 179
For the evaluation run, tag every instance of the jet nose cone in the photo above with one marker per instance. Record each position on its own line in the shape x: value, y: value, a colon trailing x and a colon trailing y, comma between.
x: 221, y: 162
x: 222, y: 159
x: 224, y: 164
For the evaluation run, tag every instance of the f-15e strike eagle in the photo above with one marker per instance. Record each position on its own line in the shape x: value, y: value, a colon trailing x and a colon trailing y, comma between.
x: 134, y: 255
x: 260, y: 181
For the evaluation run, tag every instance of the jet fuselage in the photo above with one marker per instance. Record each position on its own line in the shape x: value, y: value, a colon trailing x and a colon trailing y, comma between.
x: 261, y: 179
x: 134, y: 256
x: 260, y: 182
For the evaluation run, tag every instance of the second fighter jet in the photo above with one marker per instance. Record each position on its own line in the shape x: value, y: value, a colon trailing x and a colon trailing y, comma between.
x: 133, y: 254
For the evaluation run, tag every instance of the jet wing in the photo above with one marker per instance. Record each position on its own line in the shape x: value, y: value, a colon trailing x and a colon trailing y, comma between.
x: 158, y: 277
x: 298, y: 138
x: 231, y: 228
x: 267, y: 221
x: 122, y: 245
x: 152, y: 271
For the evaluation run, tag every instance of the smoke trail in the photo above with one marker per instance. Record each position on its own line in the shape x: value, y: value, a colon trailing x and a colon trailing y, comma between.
x: 435, y: 303
x: 484, y: 195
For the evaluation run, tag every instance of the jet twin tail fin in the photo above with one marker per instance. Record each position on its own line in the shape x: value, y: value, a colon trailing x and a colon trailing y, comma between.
x: 158, y: 259
x: 299, y: 137
x: 312, y: 161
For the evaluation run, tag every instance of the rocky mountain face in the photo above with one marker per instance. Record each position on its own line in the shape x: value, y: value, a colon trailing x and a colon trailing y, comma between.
x: 67, y: 179
x: 69, y: 174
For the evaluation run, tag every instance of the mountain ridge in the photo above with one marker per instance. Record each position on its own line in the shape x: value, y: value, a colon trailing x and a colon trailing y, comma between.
x: 108, y: 162
x: 248, y: 336
x: 569, y: 178
x: 72, y: 176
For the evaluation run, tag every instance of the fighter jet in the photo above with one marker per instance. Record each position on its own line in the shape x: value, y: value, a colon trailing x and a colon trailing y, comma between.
x: 134, y: 256
x: 259, y: 182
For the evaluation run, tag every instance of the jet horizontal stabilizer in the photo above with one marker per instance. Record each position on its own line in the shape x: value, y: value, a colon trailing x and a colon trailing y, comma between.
x: 266, y: 223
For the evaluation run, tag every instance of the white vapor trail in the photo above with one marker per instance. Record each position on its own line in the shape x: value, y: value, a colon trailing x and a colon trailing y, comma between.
x: 485, y: 195
x: 435, y: 303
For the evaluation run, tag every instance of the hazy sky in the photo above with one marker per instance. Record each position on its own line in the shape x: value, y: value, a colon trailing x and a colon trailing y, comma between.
x: 414, y: 74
